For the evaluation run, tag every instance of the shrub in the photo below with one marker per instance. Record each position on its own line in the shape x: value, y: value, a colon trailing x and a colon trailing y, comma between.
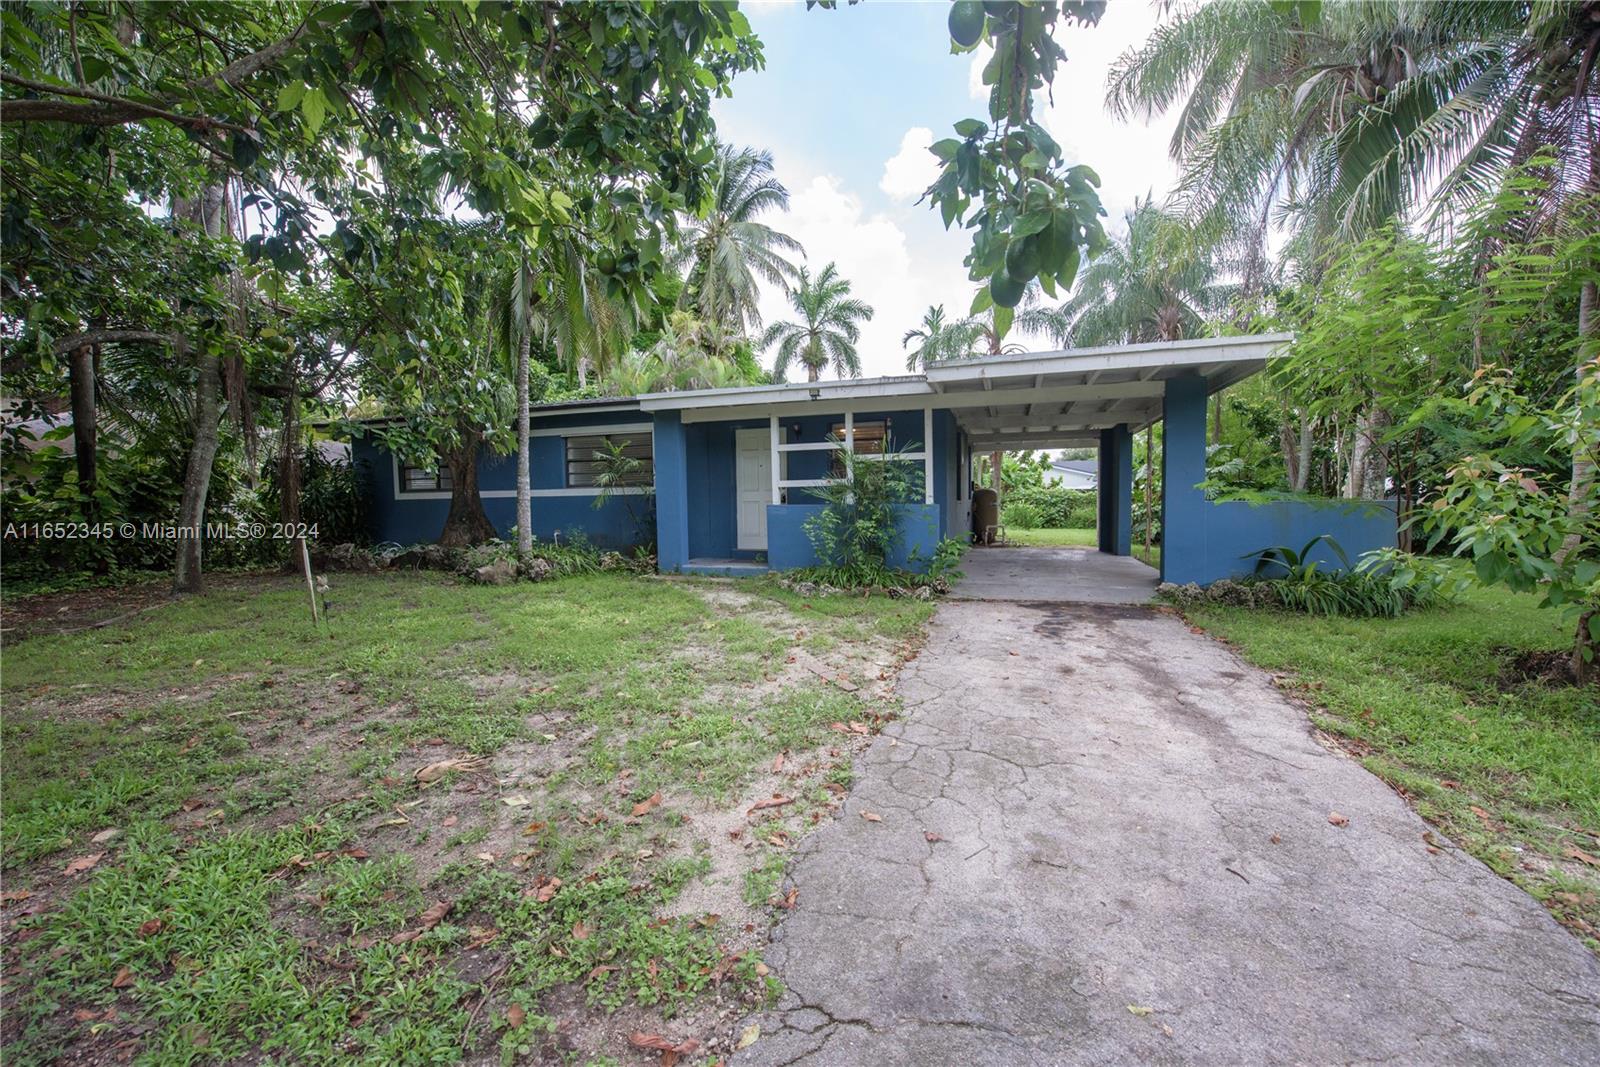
x: 1020, y: 516
x: 1055, y: 507
x: 854, y: 533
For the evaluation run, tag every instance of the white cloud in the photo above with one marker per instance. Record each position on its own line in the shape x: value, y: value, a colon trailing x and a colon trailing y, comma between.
x: 980, y: 59
x: 912, y: 169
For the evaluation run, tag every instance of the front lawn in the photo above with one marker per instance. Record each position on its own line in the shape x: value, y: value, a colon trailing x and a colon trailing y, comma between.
x: 454, y: 821
x: 1447, y: 705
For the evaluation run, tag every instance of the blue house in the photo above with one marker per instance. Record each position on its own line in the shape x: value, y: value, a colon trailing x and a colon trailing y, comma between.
x: 734, y: 471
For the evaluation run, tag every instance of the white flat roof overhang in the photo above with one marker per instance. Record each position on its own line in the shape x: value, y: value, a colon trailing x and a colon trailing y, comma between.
x: 1023, y: 400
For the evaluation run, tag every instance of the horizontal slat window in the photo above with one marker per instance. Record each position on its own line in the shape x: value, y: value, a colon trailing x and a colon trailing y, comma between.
x: 590, y: 456
x: 422, y: 480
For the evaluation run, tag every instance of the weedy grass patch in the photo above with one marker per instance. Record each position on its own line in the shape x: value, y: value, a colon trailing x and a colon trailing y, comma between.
x: 1434, y: 702
x: 453, y: 819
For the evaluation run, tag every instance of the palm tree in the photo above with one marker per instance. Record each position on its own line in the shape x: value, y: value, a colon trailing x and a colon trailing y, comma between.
x: 829, y: 327
x: 729, y: 251
x: 1339, y: 118
x: 1149, y: 285
x: 939, y: 339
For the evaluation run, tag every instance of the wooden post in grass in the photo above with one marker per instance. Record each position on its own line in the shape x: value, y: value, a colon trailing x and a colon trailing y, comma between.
x: 311, y: 585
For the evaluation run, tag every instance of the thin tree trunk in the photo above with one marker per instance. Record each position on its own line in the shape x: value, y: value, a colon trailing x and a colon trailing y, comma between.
x: 524, y: 487
x: 1303, y: 465
x: 466, y: 523
x: 187, y: 577
x: 1582, y: 461
x: 85, y: 426
x: 1356, y: 466
x: 289, y: 469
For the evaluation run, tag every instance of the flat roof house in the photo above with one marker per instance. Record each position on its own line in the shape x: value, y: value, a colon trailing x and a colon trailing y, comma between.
x: 734, y: 470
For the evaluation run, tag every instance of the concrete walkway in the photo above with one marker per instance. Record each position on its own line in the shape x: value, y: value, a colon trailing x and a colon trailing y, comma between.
x: 1106, y: 840
x: 1059, y: 575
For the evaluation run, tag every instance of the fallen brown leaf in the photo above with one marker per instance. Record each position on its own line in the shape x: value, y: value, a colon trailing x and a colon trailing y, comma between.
x: 776, y: 800
x: 435, y: 771
x: 449, y: 820
x: 580, y: 932
x: 872, y: 816
x: 1275, y: 839
x: 931, y: 837
x: 777, y: 763
x: 545, y: 888
x: 13, y: 896
x: 84, y: 863
x: 435, y: 915
x: 644, y: 806
x: 1579, y: 854
x: 150, y: 926
x: 124, y: 979
x: 1338, y: 820
x: 640, y: 1039
x: 515, y: 1016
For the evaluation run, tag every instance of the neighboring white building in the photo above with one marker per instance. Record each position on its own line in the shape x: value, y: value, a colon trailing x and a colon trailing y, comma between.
x: 1073, y: 474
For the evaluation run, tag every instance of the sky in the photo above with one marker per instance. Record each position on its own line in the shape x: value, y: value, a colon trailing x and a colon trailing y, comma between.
x: 847, y: 105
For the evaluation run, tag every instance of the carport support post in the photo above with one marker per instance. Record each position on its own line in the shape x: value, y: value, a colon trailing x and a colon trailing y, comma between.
x: 1115, y: 500
x: 1183, y: 468
x: 672, y: 492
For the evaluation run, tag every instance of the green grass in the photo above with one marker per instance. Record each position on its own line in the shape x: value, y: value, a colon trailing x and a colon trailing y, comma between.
x: 260, y: 775
x: 1052, y: 538
x: 1073, y: 538
x: 1426, y: 702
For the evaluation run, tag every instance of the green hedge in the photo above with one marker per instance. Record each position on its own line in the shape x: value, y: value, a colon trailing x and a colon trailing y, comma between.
x: 1055, y: 508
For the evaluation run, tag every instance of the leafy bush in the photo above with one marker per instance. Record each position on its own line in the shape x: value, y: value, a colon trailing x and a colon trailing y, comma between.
x: 333, y: 498
x: 855, y: 532
x: 1057, y: 508
x: 1385, y: 583
x: 1020, y: 516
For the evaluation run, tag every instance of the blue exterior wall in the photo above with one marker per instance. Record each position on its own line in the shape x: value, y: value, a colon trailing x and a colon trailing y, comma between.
x: 694, y: 506
x: 918, y: 530
x: 411, y: 519
x: 1115, y: 499
x: 1204, y: 540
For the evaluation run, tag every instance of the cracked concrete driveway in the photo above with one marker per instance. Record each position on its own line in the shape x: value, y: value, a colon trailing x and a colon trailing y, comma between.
x: 1134, y: 863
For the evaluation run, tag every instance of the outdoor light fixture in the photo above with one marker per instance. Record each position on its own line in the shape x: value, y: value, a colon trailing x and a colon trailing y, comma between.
x: 794, y: 430
x: 816, y: 394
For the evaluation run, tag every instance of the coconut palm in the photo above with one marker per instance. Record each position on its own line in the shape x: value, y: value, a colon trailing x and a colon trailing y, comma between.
x: 1148, y: 285
x: 827, y: 331
x: 939, y: 338
x: 1340, y: 117
x: 729, y: 252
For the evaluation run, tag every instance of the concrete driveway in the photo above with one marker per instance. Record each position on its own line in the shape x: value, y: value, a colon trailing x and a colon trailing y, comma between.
x: 1104, y: 839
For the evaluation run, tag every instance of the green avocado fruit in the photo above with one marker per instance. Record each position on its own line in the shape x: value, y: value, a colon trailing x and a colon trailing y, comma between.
x: 1006, y: 291
x: 966, y: 22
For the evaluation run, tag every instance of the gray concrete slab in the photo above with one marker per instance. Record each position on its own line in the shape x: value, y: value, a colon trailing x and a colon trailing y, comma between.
x: 1132, y: 861
x: 1058, y: 575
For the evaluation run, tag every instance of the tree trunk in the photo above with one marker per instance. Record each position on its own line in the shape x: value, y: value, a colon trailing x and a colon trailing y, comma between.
x: 1586, y: 651
x: 289, y: 471
x: 85, y: 426
x: 1582, y: 460
x: 187, y: 577
x: 813, y: 372
x: 1216, y: 420
x: 524, y: 487
x: 1356, y: 467
x: 466, y: 524
x: 1303, y: 465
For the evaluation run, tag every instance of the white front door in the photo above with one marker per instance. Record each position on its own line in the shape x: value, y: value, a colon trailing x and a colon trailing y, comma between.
x: 752, y: 477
